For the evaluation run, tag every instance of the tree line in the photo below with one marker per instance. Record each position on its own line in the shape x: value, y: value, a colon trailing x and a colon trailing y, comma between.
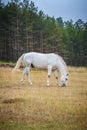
x: 23, y: 29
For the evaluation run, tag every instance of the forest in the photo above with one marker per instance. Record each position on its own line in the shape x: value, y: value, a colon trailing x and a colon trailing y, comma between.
x: 23, y: 29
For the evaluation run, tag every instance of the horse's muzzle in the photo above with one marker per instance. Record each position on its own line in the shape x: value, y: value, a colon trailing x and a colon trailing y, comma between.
x: 63, y: 85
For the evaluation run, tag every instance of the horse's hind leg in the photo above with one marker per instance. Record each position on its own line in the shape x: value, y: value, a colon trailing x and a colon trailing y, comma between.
x: 49, y: 74
x: 26, y: 71
x: 29, y: 80
x: 23, y: 74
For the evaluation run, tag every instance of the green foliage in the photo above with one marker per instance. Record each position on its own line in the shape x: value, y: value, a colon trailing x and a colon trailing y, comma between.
x: 23, y: 28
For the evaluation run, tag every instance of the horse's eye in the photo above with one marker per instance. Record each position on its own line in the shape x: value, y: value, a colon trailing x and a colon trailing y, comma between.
x: 66, y: 79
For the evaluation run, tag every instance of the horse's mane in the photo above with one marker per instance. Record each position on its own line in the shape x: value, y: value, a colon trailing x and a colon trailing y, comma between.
x: 61, y: 59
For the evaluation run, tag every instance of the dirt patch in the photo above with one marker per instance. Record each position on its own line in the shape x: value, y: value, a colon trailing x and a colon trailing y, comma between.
x: 9, y: 101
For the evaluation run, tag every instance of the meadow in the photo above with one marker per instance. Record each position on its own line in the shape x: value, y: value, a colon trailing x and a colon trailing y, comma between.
x: 37, y: 107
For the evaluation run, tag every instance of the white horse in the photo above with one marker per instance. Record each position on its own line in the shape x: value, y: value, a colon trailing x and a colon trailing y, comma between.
x: 51, y: 62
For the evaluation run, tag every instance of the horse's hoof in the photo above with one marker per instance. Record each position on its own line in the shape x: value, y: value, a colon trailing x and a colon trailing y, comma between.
x: 48, y: 85
x: 59, y: 85
x: 22, y: 82
x: 30, y: 83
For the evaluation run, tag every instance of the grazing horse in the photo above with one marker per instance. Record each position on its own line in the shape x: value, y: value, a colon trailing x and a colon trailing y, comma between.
x: 50, y: 61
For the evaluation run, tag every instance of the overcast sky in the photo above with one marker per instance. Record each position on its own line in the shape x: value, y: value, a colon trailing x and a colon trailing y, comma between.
x: 67, y: 9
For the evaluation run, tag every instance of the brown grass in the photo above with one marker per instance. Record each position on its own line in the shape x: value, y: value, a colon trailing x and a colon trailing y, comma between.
x: 38, y: 107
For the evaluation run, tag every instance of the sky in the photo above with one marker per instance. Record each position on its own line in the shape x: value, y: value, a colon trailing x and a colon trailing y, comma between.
x: 67, y: 9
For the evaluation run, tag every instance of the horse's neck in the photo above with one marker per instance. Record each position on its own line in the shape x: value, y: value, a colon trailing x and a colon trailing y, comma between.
x: 62, y: 68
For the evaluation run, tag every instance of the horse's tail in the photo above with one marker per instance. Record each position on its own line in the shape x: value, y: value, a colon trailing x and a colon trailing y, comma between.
x: 18, y: 64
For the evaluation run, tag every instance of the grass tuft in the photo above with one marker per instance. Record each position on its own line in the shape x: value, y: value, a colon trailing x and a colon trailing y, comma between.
x: 37, y: 107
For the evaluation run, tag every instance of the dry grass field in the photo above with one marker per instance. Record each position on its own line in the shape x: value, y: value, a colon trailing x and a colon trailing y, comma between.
x: 37, y: 107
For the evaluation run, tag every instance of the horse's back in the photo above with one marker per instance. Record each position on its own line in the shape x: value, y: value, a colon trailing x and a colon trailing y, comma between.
x: 41, y: 60
x: 40, y: 56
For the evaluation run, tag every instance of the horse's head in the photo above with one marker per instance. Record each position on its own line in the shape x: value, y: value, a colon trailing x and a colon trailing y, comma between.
x: 64, y: 80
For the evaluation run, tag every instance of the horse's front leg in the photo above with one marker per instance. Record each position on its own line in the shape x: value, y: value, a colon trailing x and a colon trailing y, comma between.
x: 56, y: 77
x: 49, y: 74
